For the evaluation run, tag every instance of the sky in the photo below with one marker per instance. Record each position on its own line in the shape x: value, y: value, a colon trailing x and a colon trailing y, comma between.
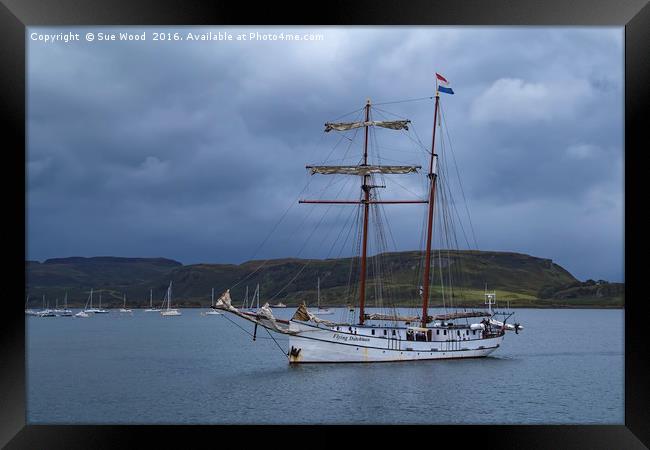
x: 195, y: 150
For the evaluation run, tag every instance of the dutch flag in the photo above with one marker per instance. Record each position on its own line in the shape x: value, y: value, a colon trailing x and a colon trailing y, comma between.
x: 443, y: 84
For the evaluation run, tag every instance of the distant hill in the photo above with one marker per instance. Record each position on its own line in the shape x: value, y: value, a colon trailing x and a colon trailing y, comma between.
x: 522, y: 280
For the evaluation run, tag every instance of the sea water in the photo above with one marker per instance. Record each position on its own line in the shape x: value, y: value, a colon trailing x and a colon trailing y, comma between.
x: 565, y: 367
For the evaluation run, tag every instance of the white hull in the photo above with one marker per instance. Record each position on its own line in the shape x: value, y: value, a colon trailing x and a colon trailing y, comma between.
x: 170, y: 312
x: 151, y: 310
x: 324, y: 345
x: 213, y: 313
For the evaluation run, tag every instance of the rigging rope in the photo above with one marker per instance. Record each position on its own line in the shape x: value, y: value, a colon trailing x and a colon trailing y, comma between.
x: 276, y: 343
x: 469, y: 218
x: 404, y: 101
x: 240, y: 327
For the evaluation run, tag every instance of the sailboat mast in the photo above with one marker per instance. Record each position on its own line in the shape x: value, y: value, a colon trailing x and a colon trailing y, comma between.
x: 366, y: 209
x: 433, y: 175
x: 151, y: 299
x: 318, y: 294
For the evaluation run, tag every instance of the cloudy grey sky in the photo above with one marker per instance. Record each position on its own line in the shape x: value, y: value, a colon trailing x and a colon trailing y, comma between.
x: 194, y: 150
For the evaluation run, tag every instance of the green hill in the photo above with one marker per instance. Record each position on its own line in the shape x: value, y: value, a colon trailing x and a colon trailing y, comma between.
x: 522, y: 280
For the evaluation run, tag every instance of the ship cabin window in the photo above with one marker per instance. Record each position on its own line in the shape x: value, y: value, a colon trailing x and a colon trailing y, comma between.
x: 467, y: 332
x: 445, y: 332
x: 350, y: 329
x: 474, y: 332
x: 412, y: 335
x: 393, y: 332
x: 457, y: 332
x: 385, y: 332
x: 373, y: 332
x: 437, y: 331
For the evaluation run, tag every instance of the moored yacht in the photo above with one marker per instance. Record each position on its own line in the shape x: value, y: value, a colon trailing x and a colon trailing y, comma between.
x: 168, y: 299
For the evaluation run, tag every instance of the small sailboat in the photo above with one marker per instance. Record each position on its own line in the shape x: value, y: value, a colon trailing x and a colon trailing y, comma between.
x: 256, y: 296
x: 29, y: 312
x: 100, y: 310
x: 168, y: 299
x: 123, y: 309
x: 244, y: 304
x: 65, y: 312
x: 213, y: 312
x: 86, y: 312
x: 319, y: 311
x: 92, y: 310
x: 46, y: 311
x: 151, y: 308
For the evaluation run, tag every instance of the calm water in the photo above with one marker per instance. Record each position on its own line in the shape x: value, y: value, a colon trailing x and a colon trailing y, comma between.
x: 565, y: 367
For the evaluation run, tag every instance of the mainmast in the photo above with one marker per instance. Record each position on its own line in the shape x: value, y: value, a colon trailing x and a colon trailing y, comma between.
x: 433, y: 175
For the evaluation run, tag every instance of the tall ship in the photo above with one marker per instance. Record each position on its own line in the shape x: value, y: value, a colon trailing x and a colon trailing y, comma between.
x: 386, y: 333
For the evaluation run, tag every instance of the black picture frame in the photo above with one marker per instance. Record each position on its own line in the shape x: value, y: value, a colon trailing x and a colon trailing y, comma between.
x: 634, y: 15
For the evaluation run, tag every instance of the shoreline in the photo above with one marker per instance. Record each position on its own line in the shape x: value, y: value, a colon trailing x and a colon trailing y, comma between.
x: 564, y: 306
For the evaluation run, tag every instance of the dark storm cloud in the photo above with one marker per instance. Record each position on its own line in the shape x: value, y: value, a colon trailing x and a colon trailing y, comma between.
x: 195, y: 150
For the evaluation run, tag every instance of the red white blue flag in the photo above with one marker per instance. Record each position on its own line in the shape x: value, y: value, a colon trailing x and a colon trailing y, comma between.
x: 443, y: 81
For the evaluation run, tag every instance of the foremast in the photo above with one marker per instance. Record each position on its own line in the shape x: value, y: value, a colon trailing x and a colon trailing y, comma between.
x: 365, y: 170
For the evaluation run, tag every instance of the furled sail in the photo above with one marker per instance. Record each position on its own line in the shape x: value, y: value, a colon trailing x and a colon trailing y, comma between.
x: 362, y: 170
x: 391, y: 318
x: 303, y: 315
x: 344, y: 126
x: 461, y: 315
